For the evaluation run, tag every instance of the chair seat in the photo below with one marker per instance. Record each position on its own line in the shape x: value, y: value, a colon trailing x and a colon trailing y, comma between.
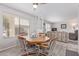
x: 44, y: 46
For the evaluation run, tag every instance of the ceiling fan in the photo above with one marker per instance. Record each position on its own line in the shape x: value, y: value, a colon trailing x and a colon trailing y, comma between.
x: 35, y: 5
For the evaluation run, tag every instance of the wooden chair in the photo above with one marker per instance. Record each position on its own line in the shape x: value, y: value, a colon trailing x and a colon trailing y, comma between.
x: 24, y: 47
x: 22, y: 43
x: 45, y: 47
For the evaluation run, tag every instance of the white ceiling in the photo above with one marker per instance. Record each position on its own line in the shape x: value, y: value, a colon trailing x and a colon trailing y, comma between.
x: 53, y: 12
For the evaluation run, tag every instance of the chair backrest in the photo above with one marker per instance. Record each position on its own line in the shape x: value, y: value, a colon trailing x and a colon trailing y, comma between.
x: 51, y: 46
x: 22, y: 42
x: 49, y: 34
x: 52, y: 34
x: 64, y: 36
x: 52, y: 42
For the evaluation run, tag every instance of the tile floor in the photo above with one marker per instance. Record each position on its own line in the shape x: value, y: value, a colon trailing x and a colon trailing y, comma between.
x: 59, y: 50
x: 15, y: 51
x: 71, y: 53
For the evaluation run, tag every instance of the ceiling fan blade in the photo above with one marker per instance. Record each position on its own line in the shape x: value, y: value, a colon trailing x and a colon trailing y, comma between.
x: 42, y: 3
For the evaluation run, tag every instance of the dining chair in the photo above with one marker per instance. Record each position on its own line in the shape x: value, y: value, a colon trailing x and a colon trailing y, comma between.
x: 27, y: 48
x: 52, y: 46
x: 45, y: 47
x: 22, y: 43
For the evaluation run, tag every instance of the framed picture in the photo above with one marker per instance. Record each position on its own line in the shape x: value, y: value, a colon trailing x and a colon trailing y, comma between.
x: 63, y: 26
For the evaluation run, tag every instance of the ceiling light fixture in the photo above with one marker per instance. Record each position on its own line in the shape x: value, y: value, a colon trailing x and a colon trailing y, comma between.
x: 35, y: 5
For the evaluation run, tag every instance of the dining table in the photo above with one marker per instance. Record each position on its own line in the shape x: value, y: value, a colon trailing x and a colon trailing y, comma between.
x: 37, y: 40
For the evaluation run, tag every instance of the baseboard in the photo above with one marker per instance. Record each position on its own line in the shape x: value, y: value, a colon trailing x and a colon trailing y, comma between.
x: 7, y: 48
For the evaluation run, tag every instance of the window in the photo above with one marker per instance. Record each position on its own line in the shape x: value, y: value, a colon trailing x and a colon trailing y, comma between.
x: 48, y: 27
x: 14, y: 25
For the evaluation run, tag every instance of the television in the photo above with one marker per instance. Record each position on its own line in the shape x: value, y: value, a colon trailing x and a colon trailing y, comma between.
x: 54, y: 29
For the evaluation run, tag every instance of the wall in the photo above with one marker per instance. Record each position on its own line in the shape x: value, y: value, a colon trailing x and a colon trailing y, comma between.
x: 1, y: 26
x: 78, y: 39
x: 69, y: 24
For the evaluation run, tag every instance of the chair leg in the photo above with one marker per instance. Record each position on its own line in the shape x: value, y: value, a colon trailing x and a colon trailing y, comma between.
x: 28, y: 53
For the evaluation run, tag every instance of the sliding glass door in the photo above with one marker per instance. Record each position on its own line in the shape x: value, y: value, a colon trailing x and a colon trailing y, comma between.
x: 14, y: 25
x: 24, y: 26
x: 9, y: 26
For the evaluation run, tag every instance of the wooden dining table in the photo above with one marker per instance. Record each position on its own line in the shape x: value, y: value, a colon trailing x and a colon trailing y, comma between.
x: 37, y: 40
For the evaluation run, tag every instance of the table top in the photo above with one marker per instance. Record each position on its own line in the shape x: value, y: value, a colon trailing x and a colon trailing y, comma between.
x: 36, y: 40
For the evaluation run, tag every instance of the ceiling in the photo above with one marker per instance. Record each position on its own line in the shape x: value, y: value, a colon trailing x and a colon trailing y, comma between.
x: 52, y: 12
